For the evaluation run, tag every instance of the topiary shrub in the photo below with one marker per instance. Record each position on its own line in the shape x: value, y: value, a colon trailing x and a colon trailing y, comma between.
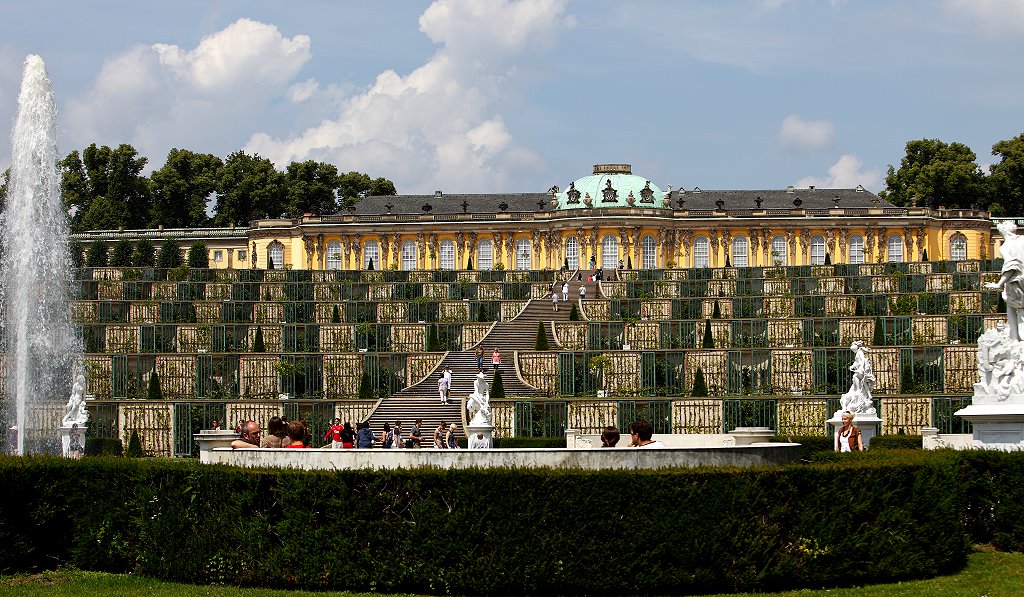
x: 574, y: 313
x: 121, y: 255
x: 716, y: 312
x: 76, y: 253
x: 134, y: 446
x: 469, y: 263
x: 433, y: 339
x: 541, y: 341
x: 198, y: 256
x: 144, y: 253
x: 924, y: 254
x: 700, y: 387
x: 170, y: 255
x: 103, y: 446
x: 813, y: 448
x: 96, y: 256
x: 154, y: 393
x: 709, y: 340
x: 257, y: 341
x: 497, y: 387
x: 365, y: 386
x: 896, y: 442
x: 335, y: 315
x: 878, y: 337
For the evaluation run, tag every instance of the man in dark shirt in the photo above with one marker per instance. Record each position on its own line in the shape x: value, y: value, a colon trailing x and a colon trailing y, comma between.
x: 250, y: 437
x: 416, y: 435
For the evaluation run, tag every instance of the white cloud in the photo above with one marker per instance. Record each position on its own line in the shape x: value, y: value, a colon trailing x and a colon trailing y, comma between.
x: 161, y: 96
x: 798, y: 134
x: 991, y: 17
x: 438, y: 127
x: 846, y: 173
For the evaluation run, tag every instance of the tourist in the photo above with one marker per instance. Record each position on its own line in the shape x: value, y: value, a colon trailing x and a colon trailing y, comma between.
x: 496, y: 358
x: 215, y: 425
x: 296, y: 435
x: 277, y: 434
x: 565, y: 291
x: 448, y: 374
x: 396, y: 430
x: 621, y: 265
x: 451, y: 440
x: 583, y: 292
x: 609, y: 437
x: 443, y: 387
x: 641, y: 432
x: 364, y: 435
x: 348, y: 437
x: 334, y: 434
x: 593, y: 262
x: 249, y: 437
x: 479, y: 357
x: 441, y: 436
x: 551, y: 287
x: 388, y: 440
x: 308, y: 437
x: 848, y: 437
x: 416, y: 435
x: 554, y: 301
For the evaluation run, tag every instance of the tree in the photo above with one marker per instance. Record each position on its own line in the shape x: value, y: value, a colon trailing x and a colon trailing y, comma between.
x: 709, y: 340
x: 433, y: 339
x: 1007, y: 177
x: 878, y: 336
x: 335, y: 315
x: 933, y: 173
x: 700, y: 387
x: 75, y: 251
x: 541, y: 341
x: 144, y: 254
x: 828, y: 259
x: 716, y: 312
x: 155, y: 393
x: 353, y: 186
x: 134, y: 446
x: 257, y: 341
x: 198, y: 256
x: 96, y: 256
x: 249, y: 188
x: 170, y: 255
x: 182, y: 188
x: 574, y: 313
x: 365, y: 386
x: 121, y: 255
x: 311, y: 188
x: 104, y: 188
x: 924, y: 254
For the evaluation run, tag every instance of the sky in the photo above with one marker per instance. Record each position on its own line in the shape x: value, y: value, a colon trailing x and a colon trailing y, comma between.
x: 488, y: 96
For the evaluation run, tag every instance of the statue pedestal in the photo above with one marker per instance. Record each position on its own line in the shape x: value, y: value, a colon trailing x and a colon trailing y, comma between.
x: 997, y: 425
x: 479, y: 436
x: 869, y: 425
x: 213, y: 438
x: 72, y: 440
x: 752, y: 435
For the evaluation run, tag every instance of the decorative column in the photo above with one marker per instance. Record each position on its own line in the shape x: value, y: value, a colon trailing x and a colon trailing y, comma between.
x: 726, y: 247
x: 766, y: 245
x: 843, y: 243
x: 307, y: 244
x: 320, y: 250
x: 396, y: 261
x: 920, y: 242
x: 830, y: 243
x: 637, y: 247
x: 496, y: 250
x: 535, y: 247
x: 383, y: 239
x: 713, y: 241
x: 791, y: 255
x: 460, y: 249
x: 471, y: 249
x: 432, y: 250
x: 869, y: 244
x: 805, y: 245
x: 908, y: 241
x: 421, y: 251
x: 686, y: 240
x: 357, y: 252
x: 346, y: 248
x: 755, y: 245
x: 594, y: 240
x: 510, y: 250
x: 581, y: 244
x: 882, y: 248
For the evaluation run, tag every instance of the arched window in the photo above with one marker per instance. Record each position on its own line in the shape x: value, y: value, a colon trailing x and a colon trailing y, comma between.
x: 572, y: 252
x: 408, y: 254
x: 447, y: 254
x: 701, y: 252
x: 740, y: 248
x: 649, y: 252
x: 817, y: 250
x: 856, y: 249
x: 524, y: 256
x: 894, y: 248
x: 485, y: 254
x: 609, y: 252
x: 779, y: 256
x: 275, y: 255
x: 371, y: 255
x: 333, y: 255
x: 958, y: 247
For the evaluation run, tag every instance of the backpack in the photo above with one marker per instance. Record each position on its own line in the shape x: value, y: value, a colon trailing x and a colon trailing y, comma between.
x: 389, y: 439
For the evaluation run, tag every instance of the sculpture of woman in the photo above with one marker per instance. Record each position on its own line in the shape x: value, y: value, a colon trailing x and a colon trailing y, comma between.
x: 858, y: 399
x: 75, y: 412
x: 478, y: 402
x: 1012, y: 279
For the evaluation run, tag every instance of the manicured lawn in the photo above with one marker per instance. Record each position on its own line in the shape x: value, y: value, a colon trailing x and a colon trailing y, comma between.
x: 988, y: 574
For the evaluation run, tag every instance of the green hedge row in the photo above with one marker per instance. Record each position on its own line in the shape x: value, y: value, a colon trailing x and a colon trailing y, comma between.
x: 896, y: 442
x: 891, y: 515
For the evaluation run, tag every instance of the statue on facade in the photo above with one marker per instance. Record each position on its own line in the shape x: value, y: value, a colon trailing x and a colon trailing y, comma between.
x: 478, y: 402
x: 1011, y: 282
x: 75, y: 412
x: 858, y: 399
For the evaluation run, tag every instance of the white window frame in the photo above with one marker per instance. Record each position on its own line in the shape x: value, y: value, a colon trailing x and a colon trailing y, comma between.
x: 740, y: 251
x: 779, y: 252
x: 334, y: 255
x: 242, y: 255
x: 855, y: 249
x: 524, y: 254
x: 408, y: 255
x: 958, y: 248
x: 894, y: 248
x: 609, y: 247
x: 218, y: 255
x: 648, y: 252
x: 446, y: 254
x: 701, y: 252
x: 572, y: 252
x: 371, y: 250
x: 485, y: 254
x: 818, y: 250
x: 275, y: 252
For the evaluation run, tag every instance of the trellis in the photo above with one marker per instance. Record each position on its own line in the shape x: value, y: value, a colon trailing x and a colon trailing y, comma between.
x: 152, y: 421
x: 713, y: 365
x: 697, y: 415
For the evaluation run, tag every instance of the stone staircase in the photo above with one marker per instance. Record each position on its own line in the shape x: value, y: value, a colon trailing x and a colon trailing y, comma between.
x: 421, y: 400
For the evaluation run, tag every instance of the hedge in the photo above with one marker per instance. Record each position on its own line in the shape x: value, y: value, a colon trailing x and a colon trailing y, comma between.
x: 501, y: 531
x: 896, y: 442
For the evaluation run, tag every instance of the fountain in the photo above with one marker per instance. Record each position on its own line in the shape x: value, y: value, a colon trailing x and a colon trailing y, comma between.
x: 41, y: 349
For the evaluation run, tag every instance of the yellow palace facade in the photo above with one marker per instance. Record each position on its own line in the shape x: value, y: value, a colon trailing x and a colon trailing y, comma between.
x: 609, y: 216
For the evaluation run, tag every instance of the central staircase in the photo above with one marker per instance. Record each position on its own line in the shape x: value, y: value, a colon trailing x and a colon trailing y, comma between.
x: 422, y: 401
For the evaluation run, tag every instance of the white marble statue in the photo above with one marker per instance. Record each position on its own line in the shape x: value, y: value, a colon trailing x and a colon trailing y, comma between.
x: 75, y: 412
x: 1000, y: 365
x: 1011, y: 282
x: 858, y: 399
x: 478, y: 402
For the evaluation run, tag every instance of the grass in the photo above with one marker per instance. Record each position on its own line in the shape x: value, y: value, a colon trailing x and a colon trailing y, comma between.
x: 987, y: 574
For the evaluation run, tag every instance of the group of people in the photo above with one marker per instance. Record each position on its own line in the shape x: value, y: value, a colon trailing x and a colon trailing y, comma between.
x: 641, y: 433
x: 553, y: 289
x: 282, y: 433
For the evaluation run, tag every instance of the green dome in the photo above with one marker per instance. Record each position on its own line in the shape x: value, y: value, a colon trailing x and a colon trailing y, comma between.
x: 611, y: 185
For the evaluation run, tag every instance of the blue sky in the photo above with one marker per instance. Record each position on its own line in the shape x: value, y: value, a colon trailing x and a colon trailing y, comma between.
x: 504, y: 96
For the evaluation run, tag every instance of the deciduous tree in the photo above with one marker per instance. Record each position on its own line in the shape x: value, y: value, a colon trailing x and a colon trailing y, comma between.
x: 249, y: 188
x: 182, y: 188
x: 105, y: 189
x: 934, y: 173
x: 311, y: 188
x: 1007, y: 177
